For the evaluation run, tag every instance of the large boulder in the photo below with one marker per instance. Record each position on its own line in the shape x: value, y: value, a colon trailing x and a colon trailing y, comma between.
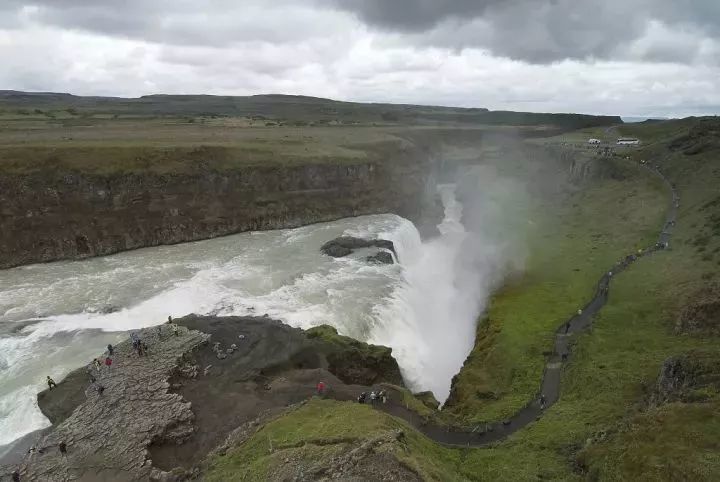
x: 344, y: 245
x: 353, y: 361
x: 428, y: 399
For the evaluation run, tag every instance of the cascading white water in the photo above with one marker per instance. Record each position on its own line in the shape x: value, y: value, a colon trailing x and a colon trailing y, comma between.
x: 431, y: 316
x: 56, y: 317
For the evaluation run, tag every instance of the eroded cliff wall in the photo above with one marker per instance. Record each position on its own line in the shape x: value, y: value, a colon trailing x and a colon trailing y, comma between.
x: 53, y: 215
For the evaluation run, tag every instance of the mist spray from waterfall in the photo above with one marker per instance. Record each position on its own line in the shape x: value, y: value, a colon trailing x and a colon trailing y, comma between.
x: 431, y: 318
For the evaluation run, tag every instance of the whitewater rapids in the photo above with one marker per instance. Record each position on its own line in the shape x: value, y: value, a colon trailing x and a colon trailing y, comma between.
x: 56, y: 317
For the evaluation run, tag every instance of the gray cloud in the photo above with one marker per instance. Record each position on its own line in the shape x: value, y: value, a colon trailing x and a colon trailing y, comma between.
x: 182, y: 22
x: 414, y: 15
x: 539, y: 31
x: 618, y: 56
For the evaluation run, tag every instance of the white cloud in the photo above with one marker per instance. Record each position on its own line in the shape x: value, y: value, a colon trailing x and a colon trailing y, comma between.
x: 666, y: 70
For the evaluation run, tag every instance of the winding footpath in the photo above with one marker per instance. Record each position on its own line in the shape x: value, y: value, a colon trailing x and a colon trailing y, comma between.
x: 550, y: 385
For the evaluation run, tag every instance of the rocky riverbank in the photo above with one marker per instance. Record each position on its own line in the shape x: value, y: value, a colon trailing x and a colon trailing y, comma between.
x: 159, y: 415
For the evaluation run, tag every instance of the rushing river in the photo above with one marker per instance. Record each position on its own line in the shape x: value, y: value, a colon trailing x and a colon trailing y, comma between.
x: 58, y: 316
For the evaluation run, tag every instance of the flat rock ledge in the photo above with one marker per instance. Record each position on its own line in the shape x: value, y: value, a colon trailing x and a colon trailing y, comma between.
x: 108, y: 435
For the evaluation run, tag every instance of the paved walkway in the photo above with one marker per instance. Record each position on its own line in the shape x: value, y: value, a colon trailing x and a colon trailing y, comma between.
x: 550, y: 385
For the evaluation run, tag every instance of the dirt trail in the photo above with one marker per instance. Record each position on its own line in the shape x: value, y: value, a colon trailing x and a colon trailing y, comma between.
x: 550, y: 384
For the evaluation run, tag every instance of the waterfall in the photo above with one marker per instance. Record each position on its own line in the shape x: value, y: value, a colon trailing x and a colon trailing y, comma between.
x: 431, y: 315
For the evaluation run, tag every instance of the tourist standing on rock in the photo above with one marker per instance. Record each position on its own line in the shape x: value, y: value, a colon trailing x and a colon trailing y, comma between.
x: 110, y: 349
x: 96, y: 362
x: 169, y: 319
x: 16, y: 476
x: 63, y: 449
x: 108, y: 361
x: 175, y: 329
x: 51, y: 383
x: 320, y: 388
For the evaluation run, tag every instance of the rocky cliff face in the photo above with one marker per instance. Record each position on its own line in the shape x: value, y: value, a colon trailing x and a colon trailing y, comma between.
x: 162, y: 413
x: 57, y: 215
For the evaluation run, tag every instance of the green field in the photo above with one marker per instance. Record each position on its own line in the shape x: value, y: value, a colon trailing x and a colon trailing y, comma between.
x: 170, y: 134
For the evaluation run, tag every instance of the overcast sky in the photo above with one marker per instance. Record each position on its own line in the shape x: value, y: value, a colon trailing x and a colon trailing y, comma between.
x: 627, y: 57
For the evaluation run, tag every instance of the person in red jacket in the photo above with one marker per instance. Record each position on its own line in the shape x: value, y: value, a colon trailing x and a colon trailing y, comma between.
x: 108, y: 361
x: 321, y: 388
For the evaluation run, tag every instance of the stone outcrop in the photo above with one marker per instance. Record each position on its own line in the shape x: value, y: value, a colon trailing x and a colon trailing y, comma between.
x: 701, y: 316
x: 428, y: 399
x: 682, y: 377
x: 370, y: 459
x: 345, y: 245
x: 51, y: 215
x: 355, y: 362
x: 158, y: 416
x: 108, y: 433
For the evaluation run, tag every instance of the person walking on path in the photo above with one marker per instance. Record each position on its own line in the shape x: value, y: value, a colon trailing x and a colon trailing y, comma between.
x: 320, y: 388
x: 373, y: 398
x: 96, y: 362
x: 51, y: 383
x: 63, y: 449
x: 110, y: 349
x: 175, y: 329
x: 108, y: 361
x: 542, y: 401
x: 567, y: 327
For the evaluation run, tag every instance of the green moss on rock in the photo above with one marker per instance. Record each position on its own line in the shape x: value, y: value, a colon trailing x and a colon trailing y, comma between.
x: 353, y: 361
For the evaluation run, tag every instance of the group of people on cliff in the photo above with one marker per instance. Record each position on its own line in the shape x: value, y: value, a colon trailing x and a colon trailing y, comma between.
x: 374, y: 397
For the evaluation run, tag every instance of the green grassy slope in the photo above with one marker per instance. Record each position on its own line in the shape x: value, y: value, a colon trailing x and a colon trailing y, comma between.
x: 577, y: 237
